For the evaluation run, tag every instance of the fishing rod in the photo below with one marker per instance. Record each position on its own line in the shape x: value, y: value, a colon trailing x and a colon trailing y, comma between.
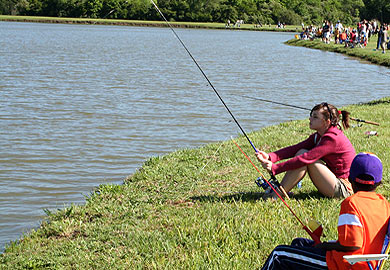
x: 382, y: 73
x: 312, y: 234
x: 313, y: 229
x: 111, y: 11
x: 306, y: 109
x: 204, y: 75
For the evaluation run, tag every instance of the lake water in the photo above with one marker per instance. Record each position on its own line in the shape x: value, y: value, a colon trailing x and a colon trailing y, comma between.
x: 82, y: 105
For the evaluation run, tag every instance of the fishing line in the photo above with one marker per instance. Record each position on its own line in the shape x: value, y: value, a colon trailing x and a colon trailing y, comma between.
x: 306, y: 109
x: 279, y: 103
x: 204, y: 75
x: 212, y: 156
x: 311, y: 233
x: 382, y: 73
x: 111, y: 11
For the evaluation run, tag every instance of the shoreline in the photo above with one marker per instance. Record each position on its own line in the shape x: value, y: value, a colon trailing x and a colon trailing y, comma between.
x: 366, y: 54
x: 219, y: 26
x: 192, y: 208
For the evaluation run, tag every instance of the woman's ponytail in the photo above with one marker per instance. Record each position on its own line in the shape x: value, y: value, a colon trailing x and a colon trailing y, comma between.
x: 344, y: 119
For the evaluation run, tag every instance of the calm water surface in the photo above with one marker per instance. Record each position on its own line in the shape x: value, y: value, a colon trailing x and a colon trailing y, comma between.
x: 82, y: 105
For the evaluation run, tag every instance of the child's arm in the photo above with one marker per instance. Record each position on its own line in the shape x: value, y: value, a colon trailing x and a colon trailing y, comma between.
x: 336, y: 246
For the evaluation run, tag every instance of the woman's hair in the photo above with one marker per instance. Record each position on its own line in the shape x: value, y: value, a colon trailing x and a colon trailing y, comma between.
x: 330, y: 112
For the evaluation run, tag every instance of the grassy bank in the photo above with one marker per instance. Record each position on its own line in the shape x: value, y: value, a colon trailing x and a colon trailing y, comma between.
x: 191, y: 209
x: 366, y: 54
x: 289, y: 28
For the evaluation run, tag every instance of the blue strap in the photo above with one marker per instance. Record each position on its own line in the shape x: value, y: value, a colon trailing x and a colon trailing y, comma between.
x: 386, y: 243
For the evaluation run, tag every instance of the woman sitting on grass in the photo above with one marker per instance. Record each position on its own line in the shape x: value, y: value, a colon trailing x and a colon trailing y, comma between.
x: 326, y: 156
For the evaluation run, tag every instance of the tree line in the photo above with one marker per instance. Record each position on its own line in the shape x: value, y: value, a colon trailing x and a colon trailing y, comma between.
x: 250, y: 11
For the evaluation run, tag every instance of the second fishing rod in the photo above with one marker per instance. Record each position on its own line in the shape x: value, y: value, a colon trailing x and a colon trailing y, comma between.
x: 306, y: 109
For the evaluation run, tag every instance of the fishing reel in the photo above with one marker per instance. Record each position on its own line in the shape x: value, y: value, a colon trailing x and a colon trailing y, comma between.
x: 262, y: 183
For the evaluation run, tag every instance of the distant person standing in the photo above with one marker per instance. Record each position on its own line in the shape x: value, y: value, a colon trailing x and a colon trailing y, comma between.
x: 340, y: 26
x: 326, y: 32
x: 337, y: 32
x: 343, y: 37
x: 384, y: 37
x: 374, y: 26
x: 379, y: 42
x: 336, y: 36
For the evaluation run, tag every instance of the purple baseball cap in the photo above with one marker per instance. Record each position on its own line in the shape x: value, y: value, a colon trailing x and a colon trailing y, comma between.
x: 368, y: 164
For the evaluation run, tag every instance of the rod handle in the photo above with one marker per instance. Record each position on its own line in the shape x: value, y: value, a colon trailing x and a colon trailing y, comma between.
x: 284, y: 192
x: 316, y: 238
x: 364, y: 121
x: 280, y: 186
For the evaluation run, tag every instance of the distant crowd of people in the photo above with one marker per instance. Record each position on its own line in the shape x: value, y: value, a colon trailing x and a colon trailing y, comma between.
x: 350, y: 37
x: 237, y: 24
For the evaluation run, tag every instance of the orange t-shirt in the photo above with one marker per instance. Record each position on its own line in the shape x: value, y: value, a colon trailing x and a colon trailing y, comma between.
x: 362, y: 223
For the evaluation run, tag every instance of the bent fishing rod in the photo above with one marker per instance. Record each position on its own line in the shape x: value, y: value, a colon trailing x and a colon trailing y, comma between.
x: 306, y: 109
x: 310, y: 232
x: 204, y: 75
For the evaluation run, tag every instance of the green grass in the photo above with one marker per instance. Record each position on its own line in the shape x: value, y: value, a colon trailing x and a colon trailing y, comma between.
x: 289, y: 28
x: 172, y: 214
x: 367, y: 53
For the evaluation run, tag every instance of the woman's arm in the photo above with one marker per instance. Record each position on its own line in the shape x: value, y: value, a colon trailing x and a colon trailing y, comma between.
x: 324, y: 147
x: 290, y: 151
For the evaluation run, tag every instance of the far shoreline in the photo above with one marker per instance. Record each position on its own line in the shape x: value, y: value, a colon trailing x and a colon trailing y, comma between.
x: 219, y: 26
x: 366, y: 54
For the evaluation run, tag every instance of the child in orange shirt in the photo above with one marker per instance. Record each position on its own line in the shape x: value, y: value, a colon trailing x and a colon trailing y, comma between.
x: 362, y: 226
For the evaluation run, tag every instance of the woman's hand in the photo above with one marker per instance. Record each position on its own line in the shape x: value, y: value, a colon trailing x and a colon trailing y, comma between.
x: 263, y: 157
x: 267, y: 165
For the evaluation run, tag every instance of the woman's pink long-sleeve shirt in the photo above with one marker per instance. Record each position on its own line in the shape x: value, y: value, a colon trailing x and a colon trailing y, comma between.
x: 333, y: 148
